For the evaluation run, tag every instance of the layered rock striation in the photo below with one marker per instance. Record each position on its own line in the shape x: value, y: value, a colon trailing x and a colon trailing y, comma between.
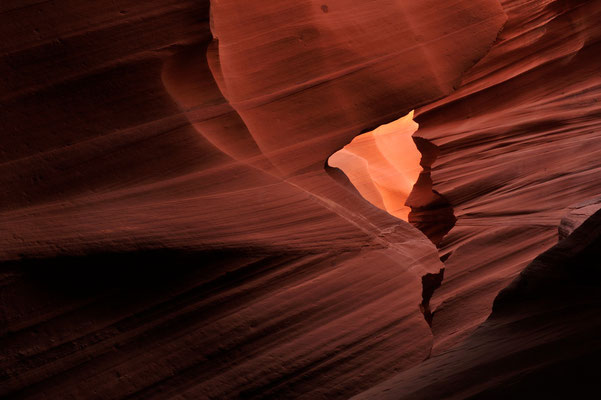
x: 518, y: 143
x: 541, y: 339
x: 168, y: 224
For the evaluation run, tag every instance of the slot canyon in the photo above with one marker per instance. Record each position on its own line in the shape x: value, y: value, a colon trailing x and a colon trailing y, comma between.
x: 269, y: 199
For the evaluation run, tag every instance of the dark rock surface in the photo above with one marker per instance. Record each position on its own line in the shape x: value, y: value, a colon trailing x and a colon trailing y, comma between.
x: 541, y: 340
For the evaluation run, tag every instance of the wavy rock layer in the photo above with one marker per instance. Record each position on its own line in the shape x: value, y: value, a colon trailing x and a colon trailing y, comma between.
x: 168, y: 226
x: 306, y: 87
x: 518, y: 143
x: 219, y: 325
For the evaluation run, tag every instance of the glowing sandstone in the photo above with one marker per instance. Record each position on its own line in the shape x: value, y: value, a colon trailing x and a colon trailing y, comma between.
x: 383, y: 165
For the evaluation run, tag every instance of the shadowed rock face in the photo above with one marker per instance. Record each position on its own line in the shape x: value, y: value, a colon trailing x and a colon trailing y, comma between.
x: 430, y: 212
x: 169, y: 227
x: 576, y: 214
x: 541, y: 340
x: 518, y: 143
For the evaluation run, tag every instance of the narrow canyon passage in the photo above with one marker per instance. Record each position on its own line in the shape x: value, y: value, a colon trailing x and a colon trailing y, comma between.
x: 233, y: 199
x: 391, y: 169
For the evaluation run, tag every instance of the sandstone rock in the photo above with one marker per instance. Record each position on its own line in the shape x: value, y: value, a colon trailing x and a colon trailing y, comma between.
x: 576, y: 215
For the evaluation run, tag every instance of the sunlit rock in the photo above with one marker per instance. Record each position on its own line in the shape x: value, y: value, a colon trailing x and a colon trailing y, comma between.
x: 383, y: 164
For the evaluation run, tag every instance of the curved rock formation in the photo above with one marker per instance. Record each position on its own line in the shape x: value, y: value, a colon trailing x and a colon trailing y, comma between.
x: 518, y: 143
x: 306, y: 79
x: 541, y: 340
x: 168, y: 226
x: 576, y: 215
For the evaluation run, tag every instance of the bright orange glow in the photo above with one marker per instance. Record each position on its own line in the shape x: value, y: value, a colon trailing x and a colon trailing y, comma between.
x: 383, y: 165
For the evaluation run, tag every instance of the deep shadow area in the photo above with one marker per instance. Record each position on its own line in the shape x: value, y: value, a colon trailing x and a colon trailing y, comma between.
x: 107, y: 284
x: 557, y: 301
x: 430, y: 212
x: 103, y: 272
x: 430, y: 282
x: 572, y: 268
x: 106, y: 306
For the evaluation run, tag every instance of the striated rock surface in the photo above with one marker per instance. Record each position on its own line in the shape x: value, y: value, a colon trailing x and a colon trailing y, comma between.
x: 168, y: 226
x: 576, y: 215
x: 161, y: 324
x: 518, y: 143
x: 331, y: 71
x: 541, y: 340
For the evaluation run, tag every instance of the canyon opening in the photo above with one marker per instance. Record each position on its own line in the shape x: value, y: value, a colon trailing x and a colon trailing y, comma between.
x: 383, y: 165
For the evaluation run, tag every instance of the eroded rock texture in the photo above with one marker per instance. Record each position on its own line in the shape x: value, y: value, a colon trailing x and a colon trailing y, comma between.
x: 541, y: 340
x: 168, y: 224
x: 576, y: 214
x: 169, y: 227
x: 518, y: 144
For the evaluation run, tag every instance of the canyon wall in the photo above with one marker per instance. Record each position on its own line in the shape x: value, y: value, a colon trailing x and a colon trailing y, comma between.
x: 169, y: 227
x: 541, y: 340
x: 518, y: 144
